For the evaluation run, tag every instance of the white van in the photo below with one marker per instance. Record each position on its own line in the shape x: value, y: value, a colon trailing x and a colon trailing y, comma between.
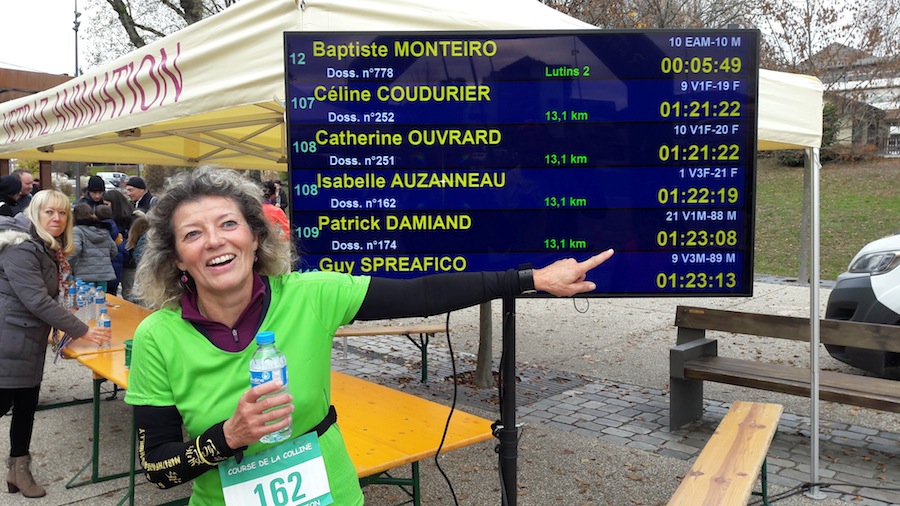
x: 113, y: 179
x: 868, y: 292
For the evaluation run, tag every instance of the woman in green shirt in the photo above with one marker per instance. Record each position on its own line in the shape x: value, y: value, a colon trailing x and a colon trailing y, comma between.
x: 218, y: 273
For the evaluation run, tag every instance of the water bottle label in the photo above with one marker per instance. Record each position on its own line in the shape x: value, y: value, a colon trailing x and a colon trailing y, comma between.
x: 260, y: 377
x: 107, y: 324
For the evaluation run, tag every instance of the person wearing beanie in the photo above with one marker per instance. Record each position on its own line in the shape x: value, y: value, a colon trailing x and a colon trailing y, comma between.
x: 10, y: 186
x: 93, y: 195
x: 136, y: 189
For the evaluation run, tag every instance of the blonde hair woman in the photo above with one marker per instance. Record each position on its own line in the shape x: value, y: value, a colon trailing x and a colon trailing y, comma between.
x: 33, y: 269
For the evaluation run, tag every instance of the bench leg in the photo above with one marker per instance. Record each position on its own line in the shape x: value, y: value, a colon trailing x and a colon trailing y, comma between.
x: 764, y: 483
x: 686, y: 395
x: 422, y: 345
x: 414, y: 490
x: 94, y: 463
x: 685, y: 402
x: 417, y: 488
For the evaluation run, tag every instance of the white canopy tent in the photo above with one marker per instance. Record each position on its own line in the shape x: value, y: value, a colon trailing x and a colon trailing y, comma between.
x: 213, y: 93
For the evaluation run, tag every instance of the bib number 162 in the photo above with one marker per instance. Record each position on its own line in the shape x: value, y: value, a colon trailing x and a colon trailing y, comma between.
x: 281, y: 493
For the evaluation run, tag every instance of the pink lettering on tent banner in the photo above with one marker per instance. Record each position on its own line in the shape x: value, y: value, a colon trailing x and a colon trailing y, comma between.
x: 138, y: 85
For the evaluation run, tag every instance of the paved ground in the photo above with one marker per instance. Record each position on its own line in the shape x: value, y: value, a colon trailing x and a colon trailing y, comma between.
x: 857, y: 462
x: 592, y: 392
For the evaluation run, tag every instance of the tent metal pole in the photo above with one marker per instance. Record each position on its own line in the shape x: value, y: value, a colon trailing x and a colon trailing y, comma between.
x: 508, y: 431
x: 812, y: 158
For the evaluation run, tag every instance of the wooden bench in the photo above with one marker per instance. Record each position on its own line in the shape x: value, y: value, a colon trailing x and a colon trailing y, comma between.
x: 694, y: 359
x: 425, y: 332
x: 725, y: 472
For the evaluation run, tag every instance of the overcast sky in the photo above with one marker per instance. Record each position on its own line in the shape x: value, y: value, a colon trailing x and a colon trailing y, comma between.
x: 37, y: 35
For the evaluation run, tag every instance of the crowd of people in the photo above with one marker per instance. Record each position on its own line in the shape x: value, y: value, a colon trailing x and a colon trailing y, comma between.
x: 214, y: 260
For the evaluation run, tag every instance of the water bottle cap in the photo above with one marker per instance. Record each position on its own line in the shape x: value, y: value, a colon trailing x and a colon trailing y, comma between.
x: 102, y: 309
x: 265, y: 338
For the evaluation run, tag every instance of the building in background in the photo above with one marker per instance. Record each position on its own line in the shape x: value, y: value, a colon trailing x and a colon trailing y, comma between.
x: 865, y: 92
x: 20, y: 83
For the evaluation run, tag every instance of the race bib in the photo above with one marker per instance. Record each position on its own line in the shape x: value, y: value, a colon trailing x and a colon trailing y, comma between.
x: 292, y: 473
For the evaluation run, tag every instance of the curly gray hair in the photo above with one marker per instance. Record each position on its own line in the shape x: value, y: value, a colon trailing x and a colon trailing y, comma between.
x: 157, y: 282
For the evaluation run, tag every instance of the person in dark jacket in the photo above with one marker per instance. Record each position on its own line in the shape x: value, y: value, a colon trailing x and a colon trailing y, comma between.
x: 94, y: 249
x: 136, y: 189
x: 24, y: 198
x: 10, y: 186
x: 122, y: 213
x: 93, y: 195
x: 280, y: 198
x: 122, y: 209
x: 33, y: 268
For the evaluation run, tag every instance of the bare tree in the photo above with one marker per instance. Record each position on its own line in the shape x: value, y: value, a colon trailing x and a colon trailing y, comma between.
x: 654, y: 13
x: 852, y: 48
x: 120, y: 26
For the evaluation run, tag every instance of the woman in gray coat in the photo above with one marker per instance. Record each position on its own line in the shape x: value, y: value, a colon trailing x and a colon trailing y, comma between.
x: 33, y: 267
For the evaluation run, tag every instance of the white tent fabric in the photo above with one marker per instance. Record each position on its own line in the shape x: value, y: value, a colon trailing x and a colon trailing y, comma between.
x: 213, y: 92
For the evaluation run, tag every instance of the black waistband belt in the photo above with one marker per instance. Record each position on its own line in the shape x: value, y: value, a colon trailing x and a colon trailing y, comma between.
x: 330, y: 419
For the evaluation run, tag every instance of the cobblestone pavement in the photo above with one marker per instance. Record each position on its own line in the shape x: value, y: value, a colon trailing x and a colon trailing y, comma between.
x: 860, y: 465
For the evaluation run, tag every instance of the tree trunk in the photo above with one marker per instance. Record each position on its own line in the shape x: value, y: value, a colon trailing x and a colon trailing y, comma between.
x: 484, y: 377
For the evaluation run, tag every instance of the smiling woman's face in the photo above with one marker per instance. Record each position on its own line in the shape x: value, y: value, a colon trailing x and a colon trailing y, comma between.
x: 215, y: 246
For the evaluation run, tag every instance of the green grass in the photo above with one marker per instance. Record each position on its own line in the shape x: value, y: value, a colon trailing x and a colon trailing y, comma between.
x: 859, y: 202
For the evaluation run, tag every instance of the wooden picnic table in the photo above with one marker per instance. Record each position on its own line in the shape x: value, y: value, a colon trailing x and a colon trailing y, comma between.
x: 124, y: 317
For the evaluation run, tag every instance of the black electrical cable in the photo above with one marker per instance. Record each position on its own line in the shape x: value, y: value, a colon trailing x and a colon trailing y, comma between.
x: 791, y: 492
x: 587, y: 306
x: 803, y: 487
x: 437, y: 462
x: 504, y: 501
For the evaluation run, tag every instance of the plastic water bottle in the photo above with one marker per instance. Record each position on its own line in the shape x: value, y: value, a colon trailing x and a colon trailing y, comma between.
x: 269, y: 364
x: 70, y: 298
x: 99, y: 301
x: 104, y: 322
x: 81, y: 304
x: 91, y: 310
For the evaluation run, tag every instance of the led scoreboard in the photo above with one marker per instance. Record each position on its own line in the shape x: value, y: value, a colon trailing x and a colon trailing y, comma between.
x: 433, y: 152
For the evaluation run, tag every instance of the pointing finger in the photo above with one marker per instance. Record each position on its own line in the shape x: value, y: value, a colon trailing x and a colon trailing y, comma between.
x: 597, y: 259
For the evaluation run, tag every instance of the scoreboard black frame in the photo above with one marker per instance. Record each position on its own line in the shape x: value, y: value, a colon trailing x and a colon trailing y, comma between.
x: 414, y: 153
